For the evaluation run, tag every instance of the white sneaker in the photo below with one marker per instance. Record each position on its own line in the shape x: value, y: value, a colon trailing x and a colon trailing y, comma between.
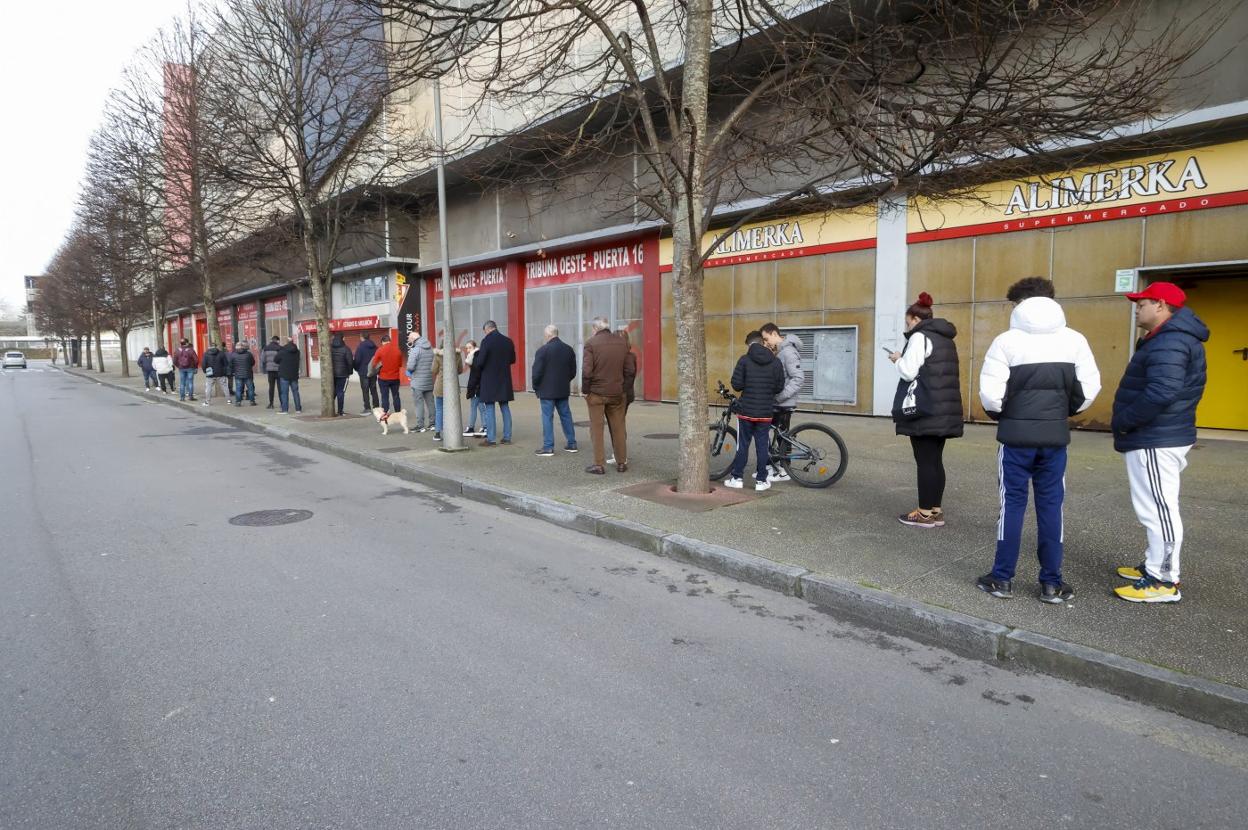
x: 777, y: 474
x: 734, y: 482
x: 611, y: 460
x: 762, y: 485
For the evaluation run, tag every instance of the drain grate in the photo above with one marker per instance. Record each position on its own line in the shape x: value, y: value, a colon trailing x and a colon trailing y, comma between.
x: 662, y: 436
x: 395, y: 449
x: 271, y: 518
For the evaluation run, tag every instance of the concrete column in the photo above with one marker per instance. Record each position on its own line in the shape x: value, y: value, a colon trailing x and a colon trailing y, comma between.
x: 890, y: 299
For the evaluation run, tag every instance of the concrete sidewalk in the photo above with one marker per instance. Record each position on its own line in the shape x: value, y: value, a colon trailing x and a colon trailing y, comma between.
x: 850, y: 531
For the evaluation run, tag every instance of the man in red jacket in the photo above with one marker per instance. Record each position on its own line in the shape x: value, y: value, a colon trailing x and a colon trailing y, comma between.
x: 187, y: 363
x: 390, y: 359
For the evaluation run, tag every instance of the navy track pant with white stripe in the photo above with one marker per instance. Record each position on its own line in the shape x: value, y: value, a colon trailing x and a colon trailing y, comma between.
x: 1044, y: 468
x: 1154, y: 476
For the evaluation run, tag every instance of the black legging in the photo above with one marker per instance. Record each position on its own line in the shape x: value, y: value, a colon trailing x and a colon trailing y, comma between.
x: 272, y: 386
x: 928, y: 452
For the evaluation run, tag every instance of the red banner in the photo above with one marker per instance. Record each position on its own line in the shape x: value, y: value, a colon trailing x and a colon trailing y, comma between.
x: 602, y: 262
x: 489, y: 280
x: 247, y: 312
x: 275, y: 308
x: 343, y: 324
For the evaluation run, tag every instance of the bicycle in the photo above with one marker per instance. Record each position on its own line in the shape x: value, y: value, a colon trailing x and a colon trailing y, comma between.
x: 816, y: 455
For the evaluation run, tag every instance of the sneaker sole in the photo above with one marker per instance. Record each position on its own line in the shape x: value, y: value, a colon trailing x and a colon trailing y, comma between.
x: 1151, y: 600
x: 997, y: 594
x: 1055, y: 600
x: 924, y: 525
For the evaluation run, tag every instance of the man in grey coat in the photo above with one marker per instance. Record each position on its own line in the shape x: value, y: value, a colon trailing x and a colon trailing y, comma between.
x: 420, y: 370
x: 788, y: 349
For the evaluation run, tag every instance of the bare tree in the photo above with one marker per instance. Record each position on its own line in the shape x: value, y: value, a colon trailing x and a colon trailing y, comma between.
x: 300, y: 98
x: 748, y: 108
x: 169, y: 142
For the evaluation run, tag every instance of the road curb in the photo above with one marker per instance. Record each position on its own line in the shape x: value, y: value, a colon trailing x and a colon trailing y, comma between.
x: 953, y: 630
x: 1192, y: 697
x: 1187, y: 695
x: 734, y: 563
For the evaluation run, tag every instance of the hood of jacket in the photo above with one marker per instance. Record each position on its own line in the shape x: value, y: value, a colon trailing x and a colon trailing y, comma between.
x: 214, y: 351
x: 760, y: 354
x: 289, y: 347
x: 161, y: 352
x: 791, y: 341
x: 421, y: 342
x: 240, y: 347
x: 1038, y: 315
x: 337, y: 341
x: 1184, y: 321
x: 941, y: 326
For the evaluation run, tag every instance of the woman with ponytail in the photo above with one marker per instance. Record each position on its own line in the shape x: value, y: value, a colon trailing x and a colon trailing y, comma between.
x: 928, y: 405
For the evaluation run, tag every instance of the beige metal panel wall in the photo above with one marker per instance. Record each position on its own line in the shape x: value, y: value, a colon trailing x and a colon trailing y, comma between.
x: 831, y: 289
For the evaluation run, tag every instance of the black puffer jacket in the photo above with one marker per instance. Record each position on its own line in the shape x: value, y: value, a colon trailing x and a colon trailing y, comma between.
x: 340, y: 356
x: 288, y: 362
x: 216, y: 363
x: 1155, y: 405
x: 939, y: 376
x: 242, y: 363
x: 759, y: 377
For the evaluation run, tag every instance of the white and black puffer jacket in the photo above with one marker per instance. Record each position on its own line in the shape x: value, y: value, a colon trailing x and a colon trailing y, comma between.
x: 1036, y: 375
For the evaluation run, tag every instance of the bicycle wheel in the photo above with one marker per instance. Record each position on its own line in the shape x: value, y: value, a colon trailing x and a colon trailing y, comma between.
x: 818, y: 456
x: 723, y: 449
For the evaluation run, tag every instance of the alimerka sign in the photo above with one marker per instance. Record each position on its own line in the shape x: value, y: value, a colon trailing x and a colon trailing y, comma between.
x: 1107, y: 186
x: 806, y: 235
x: 1207, y: 177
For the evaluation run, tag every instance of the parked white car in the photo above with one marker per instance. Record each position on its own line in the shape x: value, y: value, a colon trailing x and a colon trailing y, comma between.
x: 14, y: 360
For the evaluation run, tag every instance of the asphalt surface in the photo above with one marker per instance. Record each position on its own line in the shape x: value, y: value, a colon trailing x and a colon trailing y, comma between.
x: 404, y: 660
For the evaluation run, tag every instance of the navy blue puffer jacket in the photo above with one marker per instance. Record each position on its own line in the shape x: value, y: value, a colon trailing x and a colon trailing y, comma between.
x: 1156, y: 401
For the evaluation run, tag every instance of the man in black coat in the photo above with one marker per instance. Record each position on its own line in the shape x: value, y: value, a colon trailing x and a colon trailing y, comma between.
x: 491, y: 380
x: 368, y: 385
x: 341, y: 359
x: 759, y: 377
x: 216, y: 367
x: 288, y: 375
x: 243, y: 370
x: 554, y: 366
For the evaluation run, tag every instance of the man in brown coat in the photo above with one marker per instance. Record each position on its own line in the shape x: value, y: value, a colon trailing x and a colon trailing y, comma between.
x: 606, y: 373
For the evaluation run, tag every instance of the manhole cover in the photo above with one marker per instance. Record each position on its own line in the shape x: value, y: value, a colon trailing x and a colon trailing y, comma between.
x: 270, y: 518
x: 662, y: 436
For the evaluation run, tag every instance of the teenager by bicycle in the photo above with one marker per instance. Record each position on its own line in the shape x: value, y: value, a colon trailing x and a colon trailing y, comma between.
x: 788, y: 349
x: 759, y: 377
x: 928, y: 406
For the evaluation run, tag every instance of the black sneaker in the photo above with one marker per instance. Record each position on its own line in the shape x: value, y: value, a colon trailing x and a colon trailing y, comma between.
x: 1000, y: 588
x: 1056, y: 594
x: 544, y: 453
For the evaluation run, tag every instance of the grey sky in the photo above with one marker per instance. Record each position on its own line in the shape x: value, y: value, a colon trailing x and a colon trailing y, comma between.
x: 57, y: 64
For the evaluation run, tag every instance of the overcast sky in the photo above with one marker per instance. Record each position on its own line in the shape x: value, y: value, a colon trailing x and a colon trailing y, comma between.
x: 57, y: 64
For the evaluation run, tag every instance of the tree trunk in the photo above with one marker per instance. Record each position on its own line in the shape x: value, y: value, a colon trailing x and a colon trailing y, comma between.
x: 99, y: 349
x: 124, y: 333
x: 688, y: 226
x: 90, y: 362
x: 321, y: 281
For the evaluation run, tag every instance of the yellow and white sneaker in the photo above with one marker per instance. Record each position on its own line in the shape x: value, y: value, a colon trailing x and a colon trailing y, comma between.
x: 1147, y: 589
x: 1134, y: 574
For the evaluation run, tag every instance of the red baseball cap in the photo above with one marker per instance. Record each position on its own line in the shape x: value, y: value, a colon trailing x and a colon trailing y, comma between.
x: 1167, y: 292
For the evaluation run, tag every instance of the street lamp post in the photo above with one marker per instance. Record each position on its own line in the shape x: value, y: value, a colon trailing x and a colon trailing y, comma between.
x: 452, y: 422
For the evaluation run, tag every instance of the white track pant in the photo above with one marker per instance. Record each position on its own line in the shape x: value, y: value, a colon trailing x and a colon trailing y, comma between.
x: 1154, y: 476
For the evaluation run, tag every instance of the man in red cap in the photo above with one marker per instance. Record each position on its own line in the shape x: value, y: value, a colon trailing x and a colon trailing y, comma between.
x: 1154, y: 425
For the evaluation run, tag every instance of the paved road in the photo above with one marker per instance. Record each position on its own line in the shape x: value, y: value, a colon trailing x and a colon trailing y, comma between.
x: 401, y: 660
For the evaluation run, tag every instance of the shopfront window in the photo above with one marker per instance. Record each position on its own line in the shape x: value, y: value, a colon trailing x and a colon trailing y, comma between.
x: 572, y: 308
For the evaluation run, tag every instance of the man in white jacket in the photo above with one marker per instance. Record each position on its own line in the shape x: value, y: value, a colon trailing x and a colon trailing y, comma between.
x: 1035, y: 376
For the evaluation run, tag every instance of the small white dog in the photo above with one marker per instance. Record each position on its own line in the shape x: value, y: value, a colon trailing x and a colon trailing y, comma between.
x: 387, y: 418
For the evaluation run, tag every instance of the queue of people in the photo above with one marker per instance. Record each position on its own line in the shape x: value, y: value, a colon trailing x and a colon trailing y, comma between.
x: 1035, y: 377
